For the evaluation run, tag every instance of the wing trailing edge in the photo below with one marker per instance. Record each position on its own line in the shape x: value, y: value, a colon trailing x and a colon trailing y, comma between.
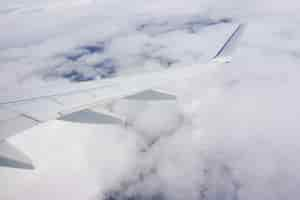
x: 89, y: 116
x: 14, y: 125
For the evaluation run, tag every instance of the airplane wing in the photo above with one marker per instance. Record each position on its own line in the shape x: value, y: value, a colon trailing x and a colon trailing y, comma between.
x: 23, y: 109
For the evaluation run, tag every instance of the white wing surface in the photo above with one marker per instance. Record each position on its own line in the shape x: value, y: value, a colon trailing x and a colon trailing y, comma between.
x: 22, y: 109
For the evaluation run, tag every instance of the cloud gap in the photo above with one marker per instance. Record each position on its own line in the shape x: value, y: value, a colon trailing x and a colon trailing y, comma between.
x: 84, y: 50
x: 84, y: 63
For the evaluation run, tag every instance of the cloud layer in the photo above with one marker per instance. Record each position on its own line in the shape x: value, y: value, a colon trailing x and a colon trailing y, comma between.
x: 233, y: 136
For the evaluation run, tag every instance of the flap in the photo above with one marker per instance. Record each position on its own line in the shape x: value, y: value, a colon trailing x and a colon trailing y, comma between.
x: 12, y: 157
x: 10, y: 127
x: 88, y: 116
x: 151, y: 95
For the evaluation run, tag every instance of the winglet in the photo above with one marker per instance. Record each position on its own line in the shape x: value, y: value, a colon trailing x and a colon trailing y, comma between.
x: 230, y: 45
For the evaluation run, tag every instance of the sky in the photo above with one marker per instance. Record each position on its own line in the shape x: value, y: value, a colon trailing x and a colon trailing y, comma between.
x: 232, y: 136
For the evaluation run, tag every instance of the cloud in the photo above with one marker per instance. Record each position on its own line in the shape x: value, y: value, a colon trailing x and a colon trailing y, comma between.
x: 233, y: 136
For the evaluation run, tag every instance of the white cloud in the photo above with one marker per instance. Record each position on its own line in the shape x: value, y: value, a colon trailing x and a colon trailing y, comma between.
x: 234, y: 137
